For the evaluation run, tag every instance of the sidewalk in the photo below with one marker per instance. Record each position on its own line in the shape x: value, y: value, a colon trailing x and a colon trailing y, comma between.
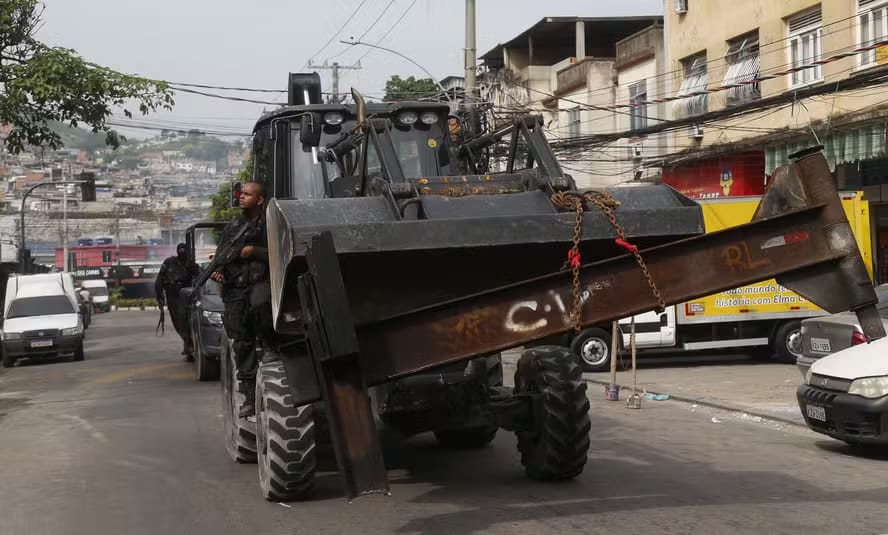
x: 758, y: 389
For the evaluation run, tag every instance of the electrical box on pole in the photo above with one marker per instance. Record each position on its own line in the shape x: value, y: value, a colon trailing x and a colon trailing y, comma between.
x: 88, y: 186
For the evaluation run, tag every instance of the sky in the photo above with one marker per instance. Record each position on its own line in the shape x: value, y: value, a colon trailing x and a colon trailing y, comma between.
x: 255, y: 44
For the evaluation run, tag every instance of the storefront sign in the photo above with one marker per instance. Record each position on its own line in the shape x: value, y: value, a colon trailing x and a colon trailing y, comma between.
x: 733, y: 176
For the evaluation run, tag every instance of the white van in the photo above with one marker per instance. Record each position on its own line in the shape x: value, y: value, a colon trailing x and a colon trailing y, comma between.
x: 40, y: 318
x: 98, y: 289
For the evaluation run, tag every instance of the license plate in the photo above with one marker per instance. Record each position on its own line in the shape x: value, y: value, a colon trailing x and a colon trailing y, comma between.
x: 820, y: 344
x: 816, y: 412
x: 41, y: 343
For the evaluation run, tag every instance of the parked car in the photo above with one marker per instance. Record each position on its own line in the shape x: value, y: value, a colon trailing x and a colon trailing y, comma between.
x: 40, y: 318
x: 824, y: 335
x: 845, y: 394
x: 98, y: 289
x: 205, y: 322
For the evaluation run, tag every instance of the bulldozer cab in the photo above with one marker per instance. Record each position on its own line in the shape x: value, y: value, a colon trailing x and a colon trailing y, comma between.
x: 323, y: 151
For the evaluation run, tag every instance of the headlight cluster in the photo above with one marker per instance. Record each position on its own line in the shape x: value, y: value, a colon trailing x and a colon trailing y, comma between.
x: 213, y: 317
x: 410, y: 117
x: 869, y: 387
x: 11, y: 336
x: 333, y: 118
x: 72, y: 331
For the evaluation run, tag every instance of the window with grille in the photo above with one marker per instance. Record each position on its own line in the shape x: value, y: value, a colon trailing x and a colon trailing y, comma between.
x: 872, y: 27
x: 638, y: 111
x: 694, y: 81
x: 573, y: 122
x: 805, y: 47
x: 107, y: 256
x: 742, y: 59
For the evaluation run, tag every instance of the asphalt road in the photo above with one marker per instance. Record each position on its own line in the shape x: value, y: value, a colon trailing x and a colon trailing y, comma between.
x: 126, y: 443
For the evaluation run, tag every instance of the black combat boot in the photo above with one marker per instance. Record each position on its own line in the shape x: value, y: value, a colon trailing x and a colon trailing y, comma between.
x: 249, y: 406
x: 189, y: 355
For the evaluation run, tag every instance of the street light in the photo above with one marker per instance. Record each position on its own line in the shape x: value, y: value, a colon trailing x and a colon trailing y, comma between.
x: 89, y: 194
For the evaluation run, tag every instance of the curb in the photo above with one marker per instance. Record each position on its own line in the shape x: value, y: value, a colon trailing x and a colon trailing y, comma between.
x: 718, y: 404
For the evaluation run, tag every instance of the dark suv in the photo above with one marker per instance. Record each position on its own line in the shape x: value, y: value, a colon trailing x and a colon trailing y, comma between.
x: 205, y: 322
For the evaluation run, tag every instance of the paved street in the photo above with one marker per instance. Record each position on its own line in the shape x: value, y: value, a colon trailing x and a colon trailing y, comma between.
x: 126, y: 442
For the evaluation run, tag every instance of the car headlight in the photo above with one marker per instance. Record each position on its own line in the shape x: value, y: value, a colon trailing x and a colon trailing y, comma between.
x: 72, y: 331
x: 12, y: 336
x: 408, y: 117
x: 808, y: 376
x: 869, y: 387
x: 428, y: 117
x: 213, y: 317
x: 334, y: 118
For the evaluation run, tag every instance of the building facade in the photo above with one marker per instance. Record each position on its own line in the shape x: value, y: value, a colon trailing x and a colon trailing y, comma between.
x: 573, y: 71
x: 715, y: 43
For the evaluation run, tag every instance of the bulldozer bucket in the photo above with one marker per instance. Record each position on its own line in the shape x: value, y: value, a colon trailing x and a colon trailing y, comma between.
x: 462, y: 246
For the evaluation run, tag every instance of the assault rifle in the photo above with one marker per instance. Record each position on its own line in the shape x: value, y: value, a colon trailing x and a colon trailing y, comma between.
x: 229, y: 252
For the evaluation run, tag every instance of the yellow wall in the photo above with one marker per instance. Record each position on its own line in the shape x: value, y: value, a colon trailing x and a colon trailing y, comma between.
x: 710, y: 24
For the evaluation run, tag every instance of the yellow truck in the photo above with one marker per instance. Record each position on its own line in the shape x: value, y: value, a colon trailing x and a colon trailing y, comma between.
x: 761, y: 318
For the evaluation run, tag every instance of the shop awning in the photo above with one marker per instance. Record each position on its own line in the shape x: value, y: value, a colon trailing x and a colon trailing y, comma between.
x: 846, y: 146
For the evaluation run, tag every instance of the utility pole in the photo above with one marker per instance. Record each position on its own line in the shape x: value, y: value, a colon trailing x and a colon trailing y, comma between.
x: 336, y: 67
x: 471, y: 66
x: 65, y: 227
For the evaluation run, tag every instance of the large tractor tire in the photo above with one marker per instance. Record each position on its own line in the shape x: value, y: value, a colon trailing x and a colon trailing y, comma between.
x: 475, y: 437
x: 240, y: 434
x: 205, y: 369
x: 556, y: 446
x: 286, y: 446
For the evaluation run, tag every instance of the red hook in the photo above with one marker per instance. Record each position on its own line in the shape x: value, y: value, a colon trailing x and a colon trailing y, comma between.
x: 626, y: 245
x: 574, y: 257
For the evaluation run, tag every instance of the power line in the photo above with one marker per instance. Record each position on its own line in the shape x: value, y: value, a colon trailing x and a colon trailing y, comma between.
x: 375, y: 22
x: 335, y: 35
x: 390, y: 30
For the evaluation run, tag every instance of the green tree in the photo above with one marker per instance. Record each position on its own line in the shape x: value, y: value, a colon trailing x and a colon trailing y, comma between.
x: 410, y: 88
x: 42, y: 84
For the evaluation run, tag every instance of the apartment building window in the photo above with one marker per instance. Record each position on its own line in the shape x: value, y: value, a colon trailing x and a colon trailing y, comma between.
x: 805, y: 46
x: 872, y: 22
x: 638, y: 111
x: 573, y: 122
x: 694, y: 69
x: 107, y: 256
x: 742, y: 58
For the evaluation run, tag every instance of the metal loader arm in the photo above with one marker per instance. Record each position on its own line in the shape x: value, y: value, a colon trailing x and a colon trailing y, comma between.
x: 799, y: 235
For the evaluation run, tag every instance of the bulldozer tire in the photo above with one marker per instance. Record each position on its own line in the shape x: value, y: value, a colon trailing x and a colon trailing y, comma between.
x: 240, y: 435
x: 285, y: 438
x: 557, y: 445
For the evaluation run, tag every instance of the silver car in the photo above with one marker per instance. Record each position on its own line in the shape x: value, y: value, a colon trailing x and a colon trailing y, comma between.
x: 824, y: 335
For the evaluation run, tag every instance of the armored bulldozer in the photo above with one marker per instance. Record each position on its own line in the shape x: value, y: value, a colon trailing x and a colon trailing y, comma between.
x: 400, y: 272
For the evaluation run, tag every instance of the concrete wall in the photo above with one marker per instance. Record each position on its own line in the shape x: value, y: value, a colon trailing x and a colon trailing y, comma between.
x: 709, y: 24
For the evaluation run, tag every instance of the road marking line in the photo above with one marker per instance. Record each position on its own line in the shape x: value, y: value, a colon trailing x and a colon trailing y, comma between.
x: 134, y: 372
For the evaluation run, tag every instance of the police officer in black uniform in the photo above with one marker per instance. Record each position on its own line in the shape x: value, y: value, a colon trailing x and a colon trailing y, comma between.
x: 246, y: 290
x: 175, y: 273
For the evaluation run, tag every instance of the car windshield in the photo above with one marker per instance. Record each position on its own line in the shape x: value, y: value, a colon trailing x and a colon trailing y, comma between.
x: 96, y: 290
x: 44, y: 305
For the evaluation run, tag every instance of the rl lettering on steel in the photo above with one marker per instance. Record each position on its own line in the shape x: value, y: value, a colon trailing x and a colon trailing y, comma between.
x: 738, y: 258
